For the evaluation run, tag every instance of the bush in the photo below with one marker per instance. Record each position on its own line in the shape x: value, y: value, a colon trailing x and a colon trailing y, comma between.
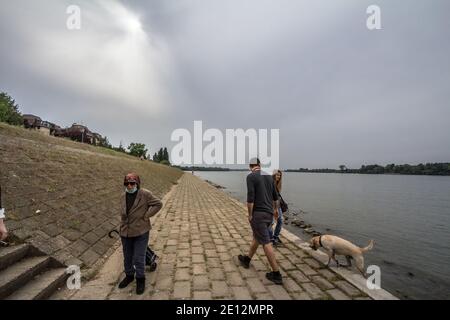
x: 9, y: 110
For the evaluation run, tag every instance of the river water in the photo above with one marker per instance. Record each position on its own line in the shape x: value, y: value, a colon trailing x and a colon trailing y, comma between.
x: 407, y: 216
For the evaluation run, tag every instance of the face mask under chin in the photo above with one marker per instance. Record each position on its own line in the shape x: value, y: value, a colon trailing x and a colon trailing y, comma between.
x: 131, y: 191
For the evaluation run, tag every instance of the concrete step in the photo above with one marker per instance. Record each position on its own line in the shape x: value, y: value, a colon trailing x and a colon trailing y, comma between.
x: 11, y: 255
x: 42, y: 286
x: 18, y: 274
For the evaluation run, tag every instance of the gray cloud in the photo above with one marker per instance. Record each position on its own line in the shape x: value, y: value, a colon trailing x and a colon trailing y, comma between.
x: 339, y: 93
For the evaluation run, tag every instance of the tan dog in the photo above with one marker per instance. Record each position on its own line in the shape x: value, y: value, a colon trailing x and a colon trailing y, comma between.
x: 337, y: 246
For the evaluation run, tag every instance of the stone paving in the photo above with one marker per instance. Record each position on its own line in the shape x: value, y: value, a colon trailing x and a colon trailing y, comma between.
x: 198, y: 235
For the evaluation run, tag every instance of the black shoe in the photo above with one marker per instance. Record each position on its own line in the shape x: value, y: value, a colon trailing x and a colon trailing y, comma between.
x: 275, y: 277
x: 277, y: 242
x: 140, y: 285
x: 125, y: 282
x: 245, y: 261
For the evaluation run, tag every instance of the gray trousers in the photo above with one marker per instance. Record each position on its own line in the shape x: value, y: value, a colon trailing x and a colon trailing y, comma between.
x: 134, y: 250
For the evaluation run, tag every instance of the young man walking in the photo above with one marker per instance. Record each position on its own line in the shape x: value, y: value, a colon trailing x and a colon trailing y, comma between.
x: 262, y: 204
x: 137, y: 207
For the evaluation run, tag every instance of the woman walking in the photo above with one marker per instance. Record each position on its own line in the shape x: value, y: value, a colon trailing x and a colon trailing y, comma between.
x: 278, y: 219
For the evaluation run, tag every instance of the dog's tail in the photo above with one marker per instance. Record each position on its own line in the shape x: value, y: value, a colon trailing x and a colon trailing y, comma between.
x: 369, y: 247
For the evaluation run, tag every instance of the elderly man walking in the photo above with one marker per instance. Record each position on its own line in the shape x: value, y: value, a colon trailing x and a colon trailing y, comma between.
x: 262, y: 204
x: 137, y: 206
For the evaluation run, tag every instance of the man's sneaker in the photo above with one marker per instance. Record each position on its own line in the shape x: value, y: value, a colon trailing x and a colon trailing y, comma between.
x: 277, y: 242
x: 244, y: 260
x: 125, y: 282
x: 140, y: 285
x: 275, y: 277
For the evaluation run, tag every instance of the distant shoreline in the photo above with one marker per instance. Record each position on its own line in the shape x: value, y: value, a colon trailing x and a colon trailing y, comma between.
x: 374, y: 174
x: 429, y: 169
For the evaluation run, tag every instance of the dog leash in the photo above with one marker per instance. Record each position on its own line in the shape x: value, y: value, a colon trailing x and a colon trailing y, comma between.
x: 320, y: 241
x: 110, y: 234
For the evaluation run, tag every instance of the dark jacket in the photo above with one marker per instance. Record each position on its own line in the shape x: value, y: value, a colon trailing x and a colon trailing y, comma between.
x: 137, y: 221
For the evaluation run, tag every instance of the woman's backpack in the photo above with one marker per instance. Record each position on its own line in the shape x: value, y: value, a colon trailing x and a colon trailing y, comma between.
x: 283, y: 205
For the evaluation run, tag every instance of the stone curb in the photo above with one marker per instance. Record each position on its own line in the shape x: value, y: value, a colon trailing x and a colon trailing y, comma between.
x: 352, y: 277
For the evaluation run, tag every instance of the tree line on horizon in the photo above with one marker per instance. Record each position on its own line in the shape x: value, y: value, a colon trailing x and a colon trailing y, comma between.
x: 199, y: 168
x: 434, y: 169
x: 10, y: 114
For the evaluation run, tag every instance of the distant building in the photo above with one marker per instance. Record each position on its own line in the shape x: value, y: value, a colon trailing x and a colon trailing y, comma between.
x: 35, y: 123
x: 77, y: 132
x: 51, y: 126
x: 60, y: 132
x: 31, y: 121
x: 98, y: 139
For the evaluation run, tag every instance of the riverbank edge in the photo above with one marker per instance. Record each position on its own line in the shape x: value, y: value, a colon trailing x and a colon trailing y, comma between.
x: 351, y: 276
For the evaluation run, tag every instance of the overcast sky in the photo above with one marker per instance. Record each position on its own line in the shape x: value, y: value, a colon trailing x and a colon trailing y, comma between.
x: 339, y: 93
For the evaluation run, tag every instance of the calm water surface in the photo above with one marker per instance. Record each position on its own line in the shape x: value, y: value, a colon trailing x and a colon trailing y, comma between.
x: 407, y: 216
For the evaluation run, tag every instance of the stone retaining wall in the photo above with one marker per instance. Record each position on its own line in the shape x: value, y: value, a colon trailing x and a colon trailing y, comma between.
x: 63, y: 197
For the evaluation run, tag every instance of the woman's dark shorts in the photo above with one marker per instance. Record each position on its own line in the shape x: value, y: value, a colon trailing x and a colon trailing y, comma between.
x: 261, y: 222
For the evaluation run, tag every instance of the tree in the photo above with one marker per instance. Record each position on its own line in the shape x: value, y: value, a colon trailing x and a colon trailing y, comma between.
x: 390, y: 168
x: 165, y: 154
x: 104, y: 142
x: 342, y: 167
x: 162, y: 156
x: 120, y: 148
x: 137, y: 150
x: 9, y: 110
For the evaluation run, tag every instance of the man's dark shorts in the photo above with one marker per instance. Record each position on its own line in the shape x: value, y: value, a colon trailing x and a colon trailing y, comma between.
x: 261, y: 222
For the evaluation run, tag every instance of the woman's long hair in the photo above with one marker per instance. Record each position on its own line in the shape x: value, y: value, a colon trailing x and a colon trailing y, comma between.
x: 279, y: 182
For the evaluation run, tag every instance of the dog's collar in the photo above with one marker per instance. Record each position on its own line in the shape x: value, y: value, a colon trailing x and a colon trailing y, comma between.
x: 320, y: 241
